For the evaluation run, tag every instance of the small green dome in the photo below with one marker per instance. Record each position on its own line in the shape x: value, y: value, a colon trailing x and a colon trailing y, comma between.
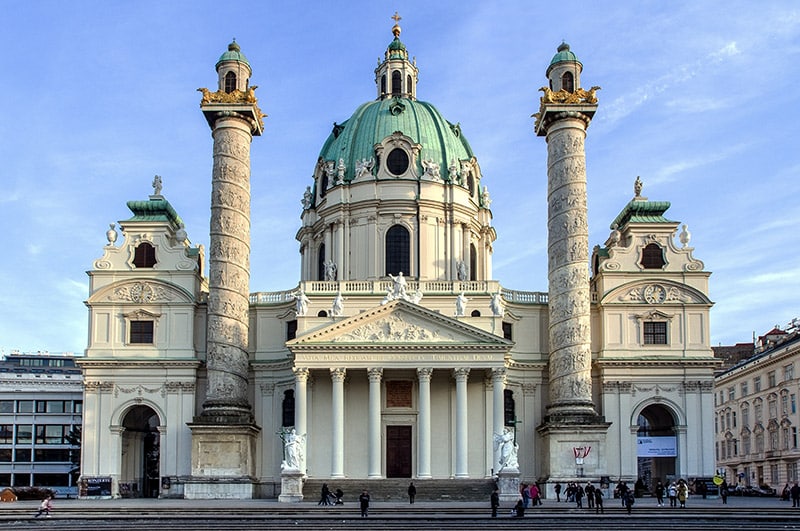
x: 234, y: 53
x: 373, y: 121
x: 564, y: 55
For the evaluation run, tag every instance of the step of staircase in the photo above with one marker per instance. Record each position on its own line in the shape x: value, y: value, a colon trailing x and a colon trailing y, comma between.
x: 396, y: 490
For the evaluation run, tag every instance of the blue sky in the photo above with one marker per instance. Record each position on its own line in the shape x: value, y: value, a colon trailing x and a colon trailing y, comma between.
x: 700, y: 99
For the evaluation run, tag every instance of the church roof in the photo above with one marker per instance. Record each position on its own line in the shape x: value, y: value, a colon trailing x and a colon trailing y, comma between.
x: 373, y: 121
x: 156, y: 209
x: 564, y: 54
x: 639, y: 211
x: 234, y: 53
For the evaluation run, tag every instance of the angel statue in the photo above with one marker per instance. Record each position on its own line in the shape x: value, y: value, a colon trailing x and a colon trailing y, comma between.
x: 431, y: 169
x: 292, y: 449
x: 507, y: 448
x: 364, y: 167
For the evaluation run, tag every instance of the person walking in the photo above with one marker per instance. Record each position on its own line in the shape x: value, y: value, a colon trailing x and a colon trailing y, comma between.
x: 579, y: 496
x: 723, y: 492
x: 47, y: 505
x: 622, y: 490
x: 795, y: 494
x: 683, y: 493
x: 526, y: 495
x: 660, y: 493
x: 598, y: 501
x: 629, y: 500
x: 325, y: 495
x: 672, y: 492
x: 557, y: 488
x: 412, y: 492
x: 495, y: 501
x: 589, y: 490
x: 364, y: 501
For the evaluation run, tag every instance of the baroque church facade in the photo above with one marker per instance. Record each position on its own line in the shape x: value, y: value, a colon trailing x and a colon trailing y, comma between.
x: 398, y: 355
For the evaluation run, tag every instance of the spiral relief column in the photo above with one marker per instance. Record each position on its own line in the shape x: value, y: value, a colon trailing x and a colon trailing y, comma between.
x: 223, y: 435
x: 572, y: 420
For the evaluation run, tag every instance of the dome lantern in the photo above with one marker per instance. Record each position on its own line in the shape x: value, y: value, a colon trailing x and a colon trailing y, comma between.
x: 565, y: 69
x: 396, y: 76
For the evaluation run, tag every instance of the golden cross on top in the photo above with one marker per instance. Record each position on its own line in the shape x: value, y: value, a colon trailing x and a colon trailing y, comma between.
x: 397, y: 18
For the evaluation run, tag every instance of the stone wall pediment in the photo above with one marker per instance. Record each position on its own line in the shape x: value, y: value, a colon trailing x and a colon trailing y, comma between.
x: 400, y: 323
x: 140, y: 291
x: 655, y: 291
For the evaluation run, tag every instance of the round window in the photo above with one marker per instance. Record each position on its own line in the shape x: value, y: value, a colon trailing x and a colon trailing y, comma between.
x: 397, y: 161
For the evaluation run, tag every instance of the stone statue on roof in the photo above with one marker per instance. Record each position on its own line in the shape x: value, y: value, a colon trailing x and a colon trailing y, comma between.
x: 637, y: 187
x: 157, y: 185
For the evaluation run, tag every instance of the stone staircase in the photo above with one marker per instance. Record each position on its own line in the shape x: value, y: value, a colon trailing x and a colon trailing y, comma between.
x: 396, y: 490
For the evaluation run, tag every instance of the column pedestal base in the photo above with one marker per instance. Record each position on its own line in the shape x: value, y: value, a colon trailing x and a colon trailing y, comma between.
x: 223, y: 462
x: 563, y: 437
x: 508, y: 485
x: 291, y: 486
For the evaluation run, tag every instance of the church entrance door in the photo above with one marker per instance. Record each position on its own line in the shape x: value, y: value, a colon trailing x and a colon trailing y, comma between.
x: 398, y: 451
x: 140, y: 453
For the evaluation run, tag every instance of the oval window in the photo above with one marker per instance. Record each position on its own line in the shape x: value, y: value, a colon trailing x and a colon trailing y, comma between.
x: 397, y: 161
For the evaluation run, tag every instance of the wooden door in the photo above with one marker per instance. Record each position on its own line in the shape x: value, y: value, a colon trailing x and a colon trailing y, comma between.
x: 398, y: 451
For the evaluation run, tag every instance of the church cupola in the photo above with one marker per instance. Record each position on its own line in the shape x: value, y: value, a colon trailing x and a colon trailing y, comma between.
x: 564, y: 71
x: 396, y: 76
x: 233, y: 69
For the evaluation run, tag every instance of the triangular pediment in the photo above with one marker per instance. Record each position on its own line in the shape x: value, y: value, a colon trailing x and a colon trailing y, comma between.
x: 399, y: 334
x: 402, y: 323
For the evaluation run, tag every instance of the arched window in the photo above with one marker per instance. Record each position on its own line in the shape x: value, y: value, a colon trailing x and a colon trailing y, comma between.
x: 653, y: 257
x: 568, y: 82
x: 321, y: 262
x: 471, y: 184
x: 323, y: 184
x: 398, y: 250
x: 383, y: 84
x: 408, y: 86
x: 287, y: 408
x: 509, y: 408
x: 397, y: 84
x: 230, y: 82
x: 475, y: 313
x: 144, y: 256
x: 473, y: 262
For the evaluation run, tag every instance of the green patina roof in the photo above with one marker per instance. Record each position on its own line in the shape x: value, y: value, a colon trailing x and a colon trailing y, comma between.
x: 234, y: 53
x: 373, y: 121
x: 154, y: 210
x: 638, y: 211
x: 564, y: 54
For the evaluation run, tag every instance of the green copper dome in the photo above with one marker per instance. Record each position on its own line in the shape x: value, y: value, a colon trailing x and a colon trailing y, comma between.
x: 234, y: 53
x: 564, y: 55
x: 373, y: 121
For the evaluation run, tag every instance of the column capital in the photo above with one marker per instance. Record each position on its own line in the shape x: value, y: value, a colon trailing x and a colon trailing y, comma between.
x: 461, y: 374
x: 424, y: 374
x: 338, y: 374
x: 375, y: 374
x: 300, y: 373
x: 499, y: 375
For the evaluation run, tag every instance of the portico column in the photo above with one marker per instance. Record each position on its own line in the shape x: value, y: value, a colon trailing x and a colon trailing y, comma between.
x: 461, y: 374
x: 337, y: 418
x: 498, y: 410
x: 374, y: 428
x: 424, y: 423
x: 300, y: 408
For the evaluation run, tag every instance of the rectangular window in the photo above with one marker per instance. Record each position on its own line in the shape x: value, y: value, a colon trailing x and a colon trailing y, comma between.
x: 6, y: 406
x: 51, y: 480
x: 731, y: 393
x: 794, y: 436
x: 757, y: 384
x: 54, y: 455
x: 746, y: 417
x: 785, y: 438
x: 24, y: 406
x: 734, y: 419
x: 5, y: 455
x: 141, y: 332
x: 758, y: 408
x: 744, y: 388
x: 6, y: 433
x: 784, y: 404
x: 771, y: 379
x: 24, y: 434
x: 22, y: 455
x: 655, y: 333
x: 793, y: 404
x: 508, y: 331
x: 77, y: 406
x: 773, y: 409
x: 773, y: 472
x: 788, y: 373
x: 51, y: 434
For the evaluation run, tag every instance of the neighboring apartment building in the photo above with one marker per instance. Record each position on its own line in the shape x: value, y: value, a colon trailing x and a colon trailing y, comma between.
x: 756, y: 412
x: 41, y: 403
